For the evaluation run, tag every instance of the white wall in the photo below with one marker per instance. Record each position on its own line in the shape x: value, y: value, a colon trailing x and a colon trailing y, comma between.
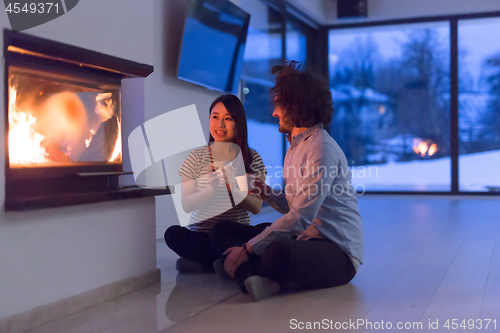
x: 325, y: 11
x: 51, y: 254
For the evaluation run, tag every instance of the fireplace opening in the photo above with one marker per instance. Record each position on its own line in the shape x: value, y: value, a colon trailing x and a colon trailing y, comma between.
x: 58, y: 120
x: 63, y: 124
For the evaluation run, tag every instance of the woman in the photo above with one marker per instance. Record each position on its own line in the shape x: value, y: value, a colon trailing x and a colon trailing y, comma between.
x: 204, y: 191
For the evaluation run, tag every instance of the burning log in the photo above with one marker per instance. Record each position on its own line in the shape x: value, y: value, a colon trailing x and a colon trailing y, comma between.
x: 53, y: 151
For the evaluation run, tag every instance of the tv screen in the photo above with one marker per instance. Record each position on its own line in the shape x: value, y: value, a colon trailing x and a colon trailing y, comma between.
x: 213, y: 44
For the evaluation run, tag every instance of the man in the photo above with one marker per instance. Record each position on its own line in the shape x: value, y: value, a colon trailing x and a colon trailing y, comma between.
x: 318, y: 242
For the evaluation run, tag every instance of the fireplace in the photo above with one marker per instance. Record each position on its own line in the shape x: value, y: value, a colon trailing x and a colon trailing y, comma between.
x: 60, y: 120
x: 63, y: 124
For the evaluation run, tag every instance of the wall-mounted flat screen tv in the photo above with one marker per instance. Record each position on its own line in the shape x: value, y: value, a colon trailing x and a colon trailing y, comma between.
x: 213, y: 44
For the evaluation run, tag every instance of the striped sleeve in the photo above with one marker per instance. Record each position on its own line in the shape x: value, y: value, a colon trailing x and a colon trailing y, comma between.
x: 190, y: 167
x: 257, y: 164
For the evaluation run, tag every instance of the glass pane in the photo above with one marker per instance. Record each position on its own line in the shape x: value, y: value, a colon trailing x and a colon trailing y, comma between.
x: 391, y: 92
x: 264, y: 43
x: 263, y: 51
x: 60, y: 120
x: 479, y: 104
x: 296, y: 44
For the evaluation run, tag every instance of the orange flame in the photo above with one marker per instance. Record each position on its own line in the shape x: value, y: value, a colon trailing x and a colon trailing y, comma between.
x: 424, y: 147
x: 105, y: 108
x: 118, y: 146
x: 63, y: 120
x: 421, y: 148
x: 24, y: 143
x: 432, y: 149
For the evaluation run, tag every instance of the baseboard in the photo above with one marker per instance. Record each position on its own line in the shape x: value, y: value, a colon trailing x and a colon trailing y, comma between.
x: 46, y: 313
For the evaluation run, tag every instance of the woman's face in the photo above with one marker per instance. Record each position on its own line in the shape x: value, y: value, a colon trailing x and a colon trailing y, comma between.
x: 221, y: 124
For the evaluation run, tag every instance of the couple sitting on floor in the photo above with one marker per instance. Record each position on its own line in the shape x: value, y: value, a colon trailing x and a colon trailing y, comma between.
x: 317, y: 243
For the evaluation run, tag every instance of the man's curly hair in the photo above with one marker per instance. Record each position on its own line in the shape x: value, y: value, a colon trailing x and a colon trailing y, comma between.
x: 304, y: 98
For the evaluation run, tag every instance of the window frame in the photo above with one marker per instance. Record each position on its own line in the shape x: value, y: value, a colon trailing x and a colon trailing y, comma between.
x: 454, y: 92
x: 316, y: 41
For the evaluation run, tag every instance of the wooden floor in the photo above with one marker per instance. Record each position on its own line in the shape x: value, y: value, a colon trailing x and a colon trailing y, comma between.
x: 427, y: 259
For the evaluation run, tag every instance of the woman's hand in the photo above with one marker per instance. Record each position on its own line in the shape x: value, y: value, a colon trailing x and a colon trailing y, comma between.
x: 236, y: 256
x: 230, y: 175
x: 212, y: 177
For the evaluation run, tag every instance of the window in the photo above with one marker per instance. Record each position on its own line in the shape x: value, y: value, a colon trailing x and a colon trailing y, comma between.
x: 262, y: 52
x: 296, y: 43
x: 273, y: 36
x: 479, y: 104
x: 391, y: 92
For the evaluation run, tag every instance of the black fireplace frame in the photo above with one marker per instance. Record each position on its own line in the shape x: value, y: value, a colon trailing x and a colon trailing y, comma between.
x: 43, y: 187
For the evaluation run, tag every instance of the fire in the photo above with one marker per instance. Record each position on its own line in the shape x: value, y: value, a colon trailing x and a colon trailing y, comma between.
x: 56, y: 130
x: 421, y: 148
x: 105, y: 108
x: 118, y: 146
x: 432, y: 149
x: 424, y: 147
x: 24, y: 142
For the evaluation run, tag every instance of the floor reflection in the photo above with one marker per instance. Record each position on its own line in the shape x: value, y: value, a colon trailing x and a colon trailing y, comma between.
x: 195, y: 292
x: 183, y: 295
x: 152, y: 309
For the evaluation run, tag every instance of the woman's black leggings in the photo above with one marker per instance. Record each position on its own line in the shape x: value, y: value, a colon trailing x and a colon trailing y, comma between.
x: 191, y: 244
x: 295, y: 264
x: 196, y: 245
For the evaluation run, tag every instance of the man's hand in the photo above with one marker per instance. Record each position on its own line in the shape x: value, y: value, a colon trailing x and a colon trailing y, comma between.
x: 257, y: 186
x: 236, y: 256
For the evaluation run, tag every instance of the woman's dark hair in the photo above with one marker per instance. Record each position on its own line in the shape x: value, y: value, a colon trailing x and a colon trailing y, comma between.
x: 237, y: 112
x: 304, y: 98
